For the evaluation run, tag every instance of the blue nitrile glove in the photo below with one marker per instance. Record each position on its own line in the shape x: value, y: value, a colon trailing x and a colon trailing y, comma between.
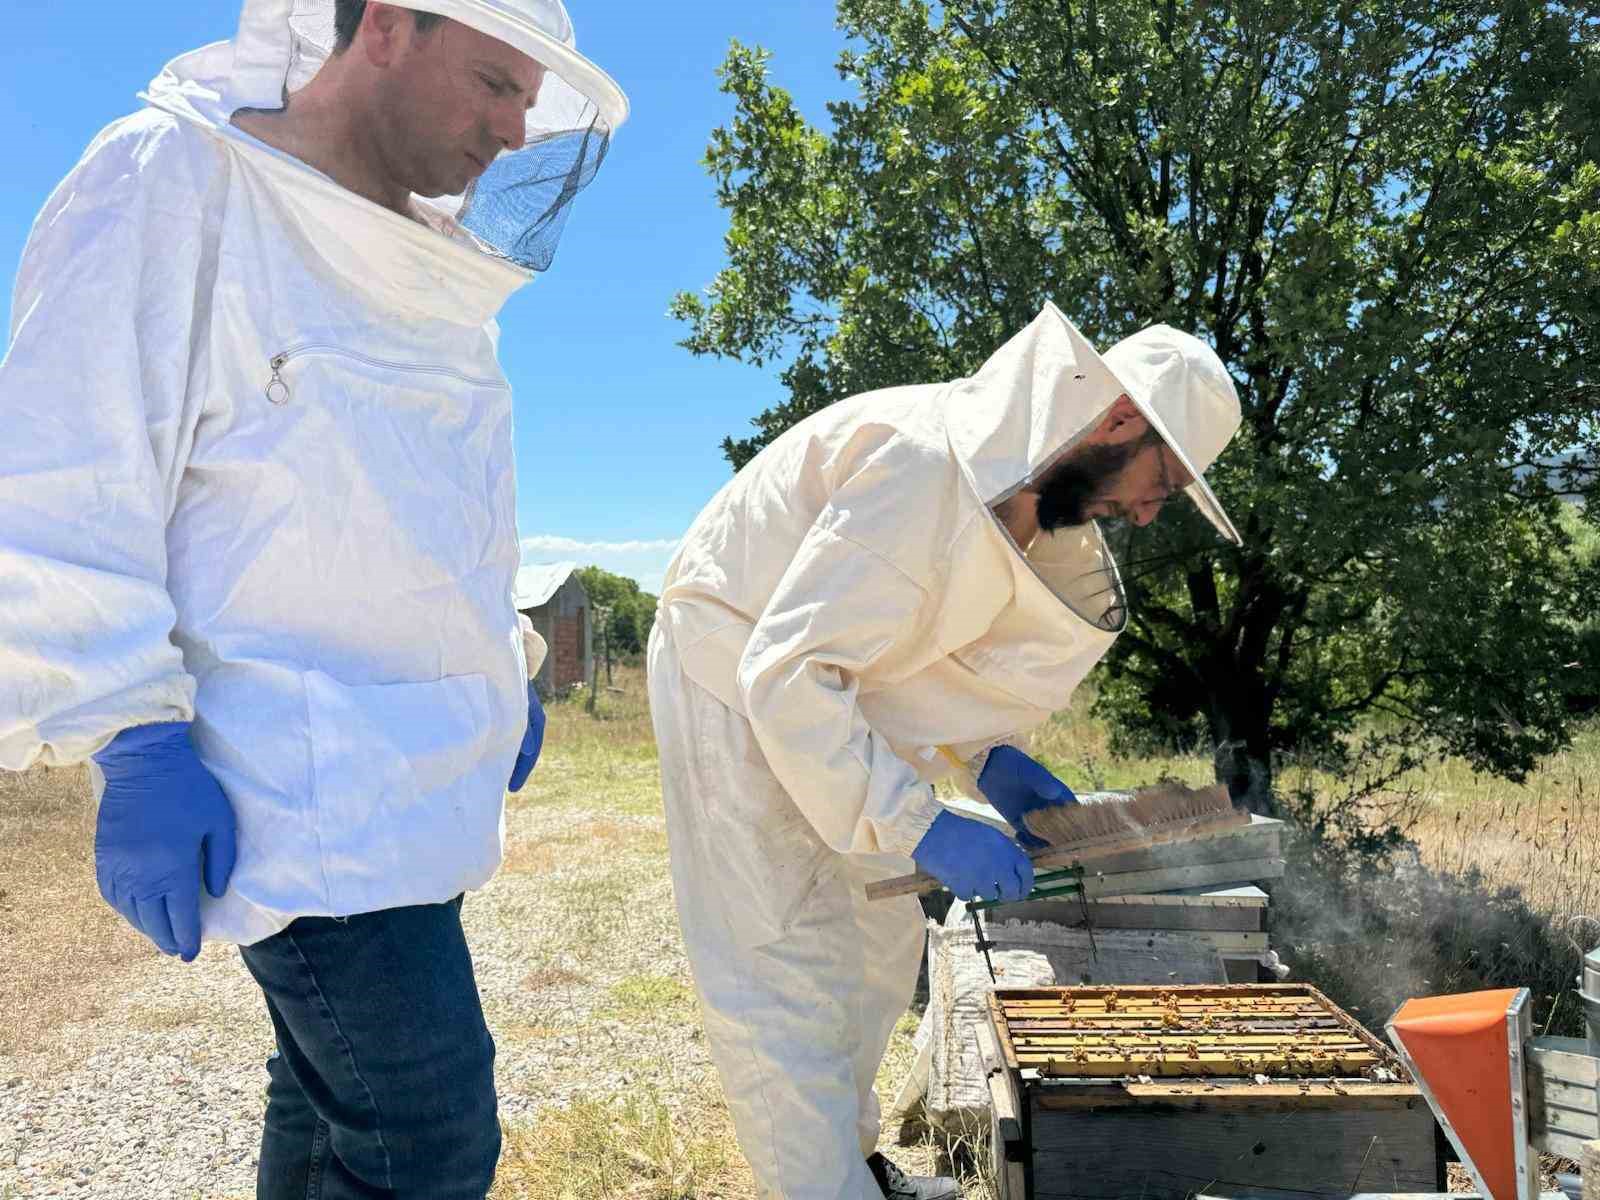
x: 164, y: 825
x: 1017, y: 786
x: 974, y: 860
x: 532, y: 741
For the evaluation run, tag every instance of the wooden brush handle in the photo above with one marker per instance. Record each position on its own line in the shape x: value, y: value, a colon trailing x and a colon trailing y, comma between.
x: 903, y: 885
x: 922, y: 883
x: 1193, y: 829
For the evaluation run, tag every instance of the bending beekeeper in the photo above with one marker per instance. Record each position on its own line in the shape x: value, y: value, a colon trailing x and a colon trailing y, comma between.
x: 258, y: 534
x: 914, y: 569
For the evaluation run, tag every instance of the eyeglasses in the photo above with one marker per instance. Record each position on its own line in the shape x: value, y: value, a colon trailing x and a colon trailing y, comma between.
x: 1173, y: 476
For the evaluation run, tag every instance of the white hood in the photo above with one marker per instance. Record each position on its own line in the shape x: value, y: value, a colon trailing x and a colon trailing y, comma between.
x: 1053, y: 387
x: 517, y: 210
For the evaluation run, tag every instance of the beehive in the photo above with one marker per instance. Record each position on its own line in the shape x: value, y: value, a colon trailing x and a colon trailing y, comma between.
x: 1168, y: 1091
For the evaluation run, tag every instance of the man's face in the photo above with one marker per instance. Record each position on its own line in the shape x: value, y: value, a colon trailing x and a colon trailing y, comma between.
x: 453, y: 99
x: 1128, y: 480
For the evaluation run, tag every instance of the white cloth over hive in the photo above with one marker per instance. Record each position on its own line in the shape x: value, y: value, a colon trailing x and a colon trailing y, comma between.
x: 257, y: 474
x: 949, y: 1077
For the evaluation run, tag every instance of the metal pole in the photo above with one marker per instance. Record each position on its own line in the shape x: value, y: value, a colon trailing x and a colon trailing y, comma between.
x: 1590, y: 994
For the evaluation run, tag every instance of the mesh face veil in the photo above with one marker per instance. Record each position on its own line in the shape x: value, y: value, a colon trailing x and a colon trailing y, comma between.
x: 517, y: 208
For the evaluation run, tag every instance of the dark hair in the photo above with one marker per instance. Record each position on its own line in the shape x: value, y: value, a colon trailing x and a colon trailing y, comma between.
x: 347, y: 16
x: 1076, y: 481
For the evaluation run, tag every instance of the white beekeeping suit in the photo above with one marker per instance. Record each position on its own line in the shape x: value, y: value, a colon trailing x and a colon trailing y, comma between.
x: 534, y: 648
x: 843, y: 608
x: 257, y: 471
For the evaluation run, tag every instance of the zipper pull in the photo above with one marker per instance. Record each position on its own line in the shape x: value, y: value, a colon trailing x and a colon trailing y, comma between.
x: 277, y: 389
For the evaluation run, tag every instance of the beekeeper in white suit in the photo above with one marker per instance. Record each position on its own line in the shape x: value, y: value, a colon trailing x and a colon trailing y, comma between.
x: 258, y: 534
x: 910, y: 571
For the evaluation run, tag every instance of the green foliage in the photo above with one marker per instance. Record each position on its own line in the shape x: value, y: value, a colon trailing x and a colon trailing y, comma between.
x: 1385, y: 216
x: 1583, y: 671
x: 633, y: 611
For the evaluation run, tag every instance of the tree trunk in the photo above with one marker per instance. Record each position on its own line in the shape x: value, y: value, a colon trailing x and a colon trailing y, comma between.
x: 1242, y: 754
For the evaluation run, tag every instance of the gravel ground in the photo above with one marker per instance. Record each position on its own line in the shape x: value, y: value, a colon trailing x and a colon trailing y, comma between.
x: 147, y: 1079
x: 160, y: 1095
x: 128, y: 1075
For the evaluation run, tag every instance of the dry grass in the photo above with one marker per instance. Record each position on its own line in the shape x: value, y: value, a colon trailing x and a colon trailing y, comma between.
x: 589, y: 830
x: 1541, y: 836
x: 645, y: 1146
x: 646, y: 997
x: 655, y: 1142
x: 58, y: 941
x: 673, y: 1139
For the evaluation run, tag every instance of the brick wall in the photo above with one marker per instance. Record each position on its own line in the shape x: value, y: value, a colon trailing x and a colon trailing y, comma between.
x: 566, y: 650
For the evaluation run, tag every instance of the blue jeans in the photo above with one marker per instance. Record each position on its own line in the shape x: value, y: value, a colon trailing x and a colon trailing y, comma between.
x: 383, y: 1080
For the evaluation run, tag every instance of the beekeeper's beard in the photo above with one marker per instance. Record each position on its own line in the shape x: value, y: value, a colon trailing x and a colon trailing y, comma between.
x: 1081, y: 479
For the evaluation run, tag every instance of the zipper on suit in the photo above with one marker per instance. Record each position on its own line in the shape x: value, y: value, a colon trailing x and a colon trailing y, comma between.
x: 277, y: 389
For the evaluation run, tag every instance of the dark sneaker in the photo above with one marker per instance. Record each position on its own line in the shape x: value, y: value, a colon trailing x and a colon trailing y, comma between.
x: 897, y: 1185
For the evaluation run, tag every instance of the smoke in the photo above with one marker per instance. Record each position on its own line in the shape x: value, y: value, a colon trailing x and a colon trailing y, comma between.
x: 1373, y: 926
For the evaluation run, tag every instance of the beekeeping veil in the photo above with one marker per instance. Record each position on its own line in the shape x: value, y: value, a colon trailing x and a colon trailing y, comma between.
x: 1047, y: 389
x: 518, y: 207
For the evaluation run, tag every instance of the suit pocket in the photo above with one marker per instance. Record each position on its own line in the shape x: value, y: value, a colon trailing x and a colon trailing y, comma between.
x: 394, y: 766
x: 768, y: 857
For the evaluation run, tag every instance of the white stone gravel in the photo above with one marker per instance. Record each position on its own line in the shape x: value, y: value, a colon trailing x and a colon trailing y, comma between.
x: 161, y: 1095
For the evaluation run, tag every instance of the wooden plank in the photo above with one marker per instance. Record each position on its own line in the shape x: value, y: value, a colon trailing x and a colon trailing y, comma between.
x: 1215, y: 998
x: 1272, y: 1194
x: 1209, y: 900
x: 1562, y: 1145
x: 1176, y: 1039
x: 1569, y: 1122
x: 1232, y: 942
x: 1167, y: 879
x: 1562, y: 1102
x: 1123, y: 1153
x: 1382, y: 1049
x: 1251, y: 841
x: 1113, y: 913
x: 1557, y: 1106
x: 1255, y: 993
x: 1260, y: 991
x: 1002, y: 1032
x: 1089, y: 1064
x: 1005, y: 1104
x: 1010, y: 1178
x: 1005, y: 1113
x: 1563, y: 1058
x: 1559, y: 1093
x: 1145, y: 1032
x: 1099, y: 1033
x: 1231, y: 1094
x: 1112, y: 848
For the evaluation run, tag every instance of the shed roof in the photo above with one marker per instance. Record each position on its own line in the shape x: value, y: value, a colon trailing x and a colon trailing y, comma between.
x: 537, y: 582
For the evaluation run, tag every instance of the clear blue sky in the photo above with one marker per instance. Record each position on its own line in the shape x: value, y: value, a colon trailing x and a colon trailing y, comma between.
x: 617, y: 427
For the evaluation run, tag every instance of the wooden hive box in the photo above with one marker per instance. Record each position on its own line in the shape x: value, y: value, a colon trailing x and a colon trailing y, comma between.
x: 1232, y: 921
x: 1165, y: 1092
x: 1182, y: 885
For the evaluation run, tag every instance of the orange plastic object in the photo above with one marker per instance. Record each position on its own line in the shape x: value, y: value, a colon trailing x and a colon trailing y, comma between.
x: 1459, y: 1047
